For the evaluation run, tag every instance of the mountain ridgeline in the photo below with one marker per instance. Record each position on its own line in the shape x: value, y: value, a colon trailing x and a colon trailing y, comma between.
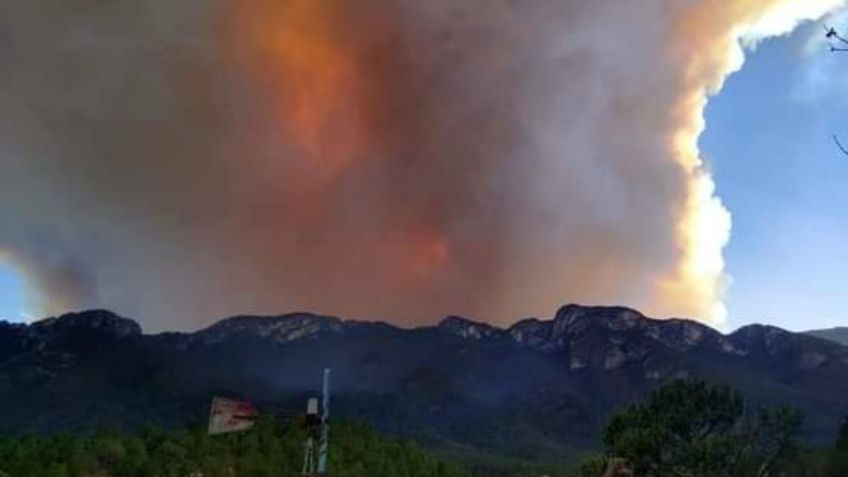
x: 838, y: 335
x: 539, y: 387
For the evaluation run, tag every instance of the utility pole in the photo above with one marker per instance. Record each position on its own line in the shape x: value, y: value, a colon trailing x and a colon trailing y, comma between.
x: 325, y: 425
x: 317, y: 429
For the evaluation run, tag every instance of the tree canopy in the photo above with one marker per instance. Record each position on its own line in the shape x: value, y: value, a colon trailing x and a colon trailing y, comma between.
x: 690, y: 428
x: 268, y: 450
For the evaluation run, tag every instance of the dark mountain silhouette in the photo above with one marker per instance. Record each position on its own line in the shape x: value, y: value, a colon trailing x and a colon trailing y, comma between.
x: 839, y: 335
x: 538, y: 387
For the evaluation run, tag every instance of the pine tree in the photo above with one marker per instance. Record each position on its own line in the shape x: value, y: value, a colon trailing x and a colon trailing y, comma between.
x: 842, y: 439
x: 268, y: 450
x: 696, y: 429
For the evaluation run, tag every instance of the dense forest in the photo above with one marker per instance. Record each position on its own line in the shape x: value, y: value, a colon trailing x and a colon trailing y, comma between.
x: 267, y: 450
x: 687, y: 428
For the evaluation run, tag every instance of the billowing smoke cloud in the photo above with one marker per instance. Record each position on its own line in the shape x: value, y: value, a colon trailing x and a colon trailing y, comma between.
x: 385, y: 159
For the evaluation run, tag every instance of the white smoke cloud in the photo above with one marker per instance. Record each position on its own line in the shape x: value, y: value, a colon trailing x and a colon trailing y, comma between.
x: 389, y: 159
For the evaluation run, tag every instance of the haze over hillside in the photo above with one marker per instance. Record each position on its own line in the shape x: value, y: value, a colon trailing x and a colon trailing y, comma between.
x: 839, y: 335
x: 540, y: 386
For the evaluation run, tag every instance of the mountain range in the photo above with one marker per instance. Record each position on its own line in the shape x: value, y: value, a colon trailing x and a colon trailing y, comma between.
x: 839, y: 335
x: 538, y: 387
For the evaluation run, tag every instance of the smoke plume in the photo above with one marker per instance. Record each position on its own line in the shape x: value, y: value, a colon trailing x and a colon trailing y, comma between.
x: 385, y: 159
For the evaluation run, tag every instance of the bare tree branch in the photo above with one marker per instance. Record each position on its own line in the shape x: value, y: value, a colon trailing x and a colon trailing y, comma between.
x: 831, y: 34
x: 839, y: 38
x: 839, y: 145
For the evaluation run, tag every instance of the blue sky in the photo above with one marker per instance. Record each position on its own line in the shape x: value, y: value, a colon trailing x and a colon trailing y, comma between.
x: 12, y: 303
x: 768, y: 143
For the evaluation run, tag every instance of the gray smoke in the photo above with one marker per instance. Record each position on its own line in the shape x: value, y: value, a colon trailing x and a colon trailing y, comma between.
x: 393, y: 159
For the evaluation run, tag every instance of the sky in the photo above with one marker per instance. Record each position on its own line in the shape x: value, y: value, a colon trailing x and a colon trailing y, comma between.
x: 768, y: 142
x: 12, y: 293
x: 402, y: 161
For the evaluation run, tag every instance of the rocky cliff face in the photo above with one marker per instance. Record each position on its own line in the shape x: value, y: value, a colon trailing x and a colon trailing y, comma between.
x: 546, y: 384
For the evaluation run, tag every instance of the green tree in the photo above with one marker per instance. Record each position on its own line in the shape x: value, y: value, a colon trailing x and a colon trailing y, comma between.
x: 689, y: 428
x: 57, y: 470
x: 842, y: 439
x: 838, y: 459
x: 267, y: 450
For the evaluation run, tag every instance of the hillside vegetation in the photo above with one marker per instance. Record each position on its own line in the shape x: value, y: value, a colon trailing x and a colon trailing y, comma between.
x: 687, y: 428
x: 268, y: 450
